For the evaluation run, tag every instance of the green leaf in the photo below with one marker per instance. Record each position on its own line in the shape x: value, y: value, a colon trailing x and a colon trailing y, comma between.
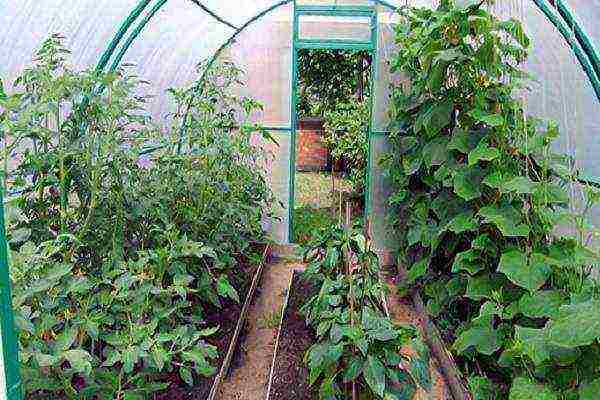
x: 525, y: 389
x: 515, y: 29
x: 506, y: 218
x: 576, y: 325
x: 493, y: 120
x: 467, y: 182
x: 374, y: 373
x: 159, y: 357
x: 483, y: 338
x: 435, y: 117
x: 483, y: 286
x: 225, y: 289
x: 80, y: 360
x: 541, y: 304
x: 46, y: 360
x: 469, y: 261
x: 462, y: 141
x: 533, y: 342
x: 590, y: 391
x: 483, y: 152
x: 186, y: 376
x: 520, y: 185
x: 353, y: 369
x: 418, y: 270
x: 528, y: 272
x: 462, y: 223
x: 435, y: 152
x: 482, y: 388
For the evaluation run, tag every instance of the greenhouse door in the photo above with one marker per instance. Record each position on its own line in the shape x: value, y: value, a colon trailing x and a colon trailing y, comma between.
x: 350, y: 33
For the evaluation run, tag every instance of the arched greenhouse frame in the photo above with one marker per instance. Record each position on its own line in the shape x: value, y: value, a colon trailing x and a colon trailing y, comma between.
x: 167, y: 38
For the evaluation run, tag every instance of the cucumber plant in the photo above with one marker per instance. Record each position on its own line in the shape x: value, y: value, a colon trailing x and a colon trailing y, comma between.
x: 482, y: 202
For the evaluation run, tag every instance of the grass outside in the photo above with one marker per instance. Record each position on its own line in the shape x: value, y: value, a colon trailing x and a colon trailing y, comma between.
x: 316, y: 206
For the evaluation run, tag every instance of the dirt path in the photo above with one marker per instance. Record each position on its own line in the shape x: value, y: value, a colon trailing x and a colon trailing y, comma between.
x: 403, y: 312
x: 249, y: 374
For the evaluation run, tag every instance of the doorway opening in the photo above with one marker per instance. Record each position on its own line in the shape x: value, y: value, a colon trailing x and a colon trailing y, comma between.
x: 333, y: 113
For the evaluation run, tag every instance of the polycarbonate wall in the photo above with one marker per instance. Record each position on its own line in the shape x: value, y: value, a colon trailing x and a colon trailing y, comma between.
x: 264, y: 51
x: 562, y: 91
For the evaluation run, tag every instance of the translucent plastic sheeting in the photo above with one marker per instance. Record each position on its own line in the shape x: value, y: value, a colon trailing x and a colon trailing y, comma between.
x: 264, y: 52
x: 587, y: 12
x: 168, y: 50
x: 334, y: 28
x: 88, y: 26
x: 335, y: 2
x: 384, y: 240
x: 238, y: 12
x: 386, y: 47
x: 562, y: 91
x: 278, y: 176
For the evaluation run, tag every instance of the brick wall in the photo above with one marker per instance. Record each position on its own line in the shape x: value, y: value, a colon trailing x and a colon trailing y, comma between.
x: 311, y: 153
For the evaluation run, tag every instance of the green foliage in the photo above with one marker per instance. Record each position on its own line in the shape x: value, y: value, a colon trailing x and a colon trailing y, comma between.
x: 310, y: 220
x: 346, y: 136
x: 481, y: 197
x: 331, y: 77
x: 121, y: 246
x: 356, y: 341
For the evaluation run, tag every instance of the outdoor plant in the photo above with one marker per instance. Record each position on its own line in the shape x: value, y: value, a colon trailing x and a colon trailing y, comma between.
x: 346, y: 136
x: 358, y: 353
x: 489, y: 234
x: 123, y: 239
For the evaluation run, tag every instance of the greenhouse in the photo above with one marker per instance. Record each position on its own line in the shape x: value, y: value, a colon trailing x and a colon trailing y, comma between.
x: 300, y: 199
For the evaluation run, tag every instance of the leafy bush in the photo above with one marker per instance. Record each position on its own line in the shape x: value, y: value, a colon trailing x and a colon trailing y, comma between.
x: 121, y: 245
x: 346, y: 136
x: 331, y: 77
x: 357, y: 343
x: 481, y: 194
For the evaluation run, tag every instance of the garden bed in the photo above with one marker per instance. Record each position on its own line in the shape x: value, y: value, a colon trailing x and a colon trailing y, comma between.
x: 289, y: 374
x: 230, y: 319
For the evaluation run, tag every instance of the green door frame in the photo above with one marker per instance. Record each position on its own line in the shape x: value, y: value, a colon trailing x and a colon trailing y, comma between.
x: 329, y: 44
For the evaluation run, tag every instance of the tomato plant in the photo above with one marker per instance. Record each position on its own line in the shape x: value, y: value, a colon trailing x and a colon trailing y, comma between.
x: 122, y: 240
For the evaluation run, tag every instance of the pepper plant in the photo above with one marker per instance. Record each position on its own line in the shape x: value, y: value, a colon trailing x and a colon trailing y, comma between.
x: 359, y: 349
x: 489, y: 233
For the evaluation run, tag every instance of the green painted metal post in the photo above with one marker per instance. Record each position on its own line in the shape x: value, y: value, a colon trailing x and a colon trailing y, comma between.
x: 10, y: 347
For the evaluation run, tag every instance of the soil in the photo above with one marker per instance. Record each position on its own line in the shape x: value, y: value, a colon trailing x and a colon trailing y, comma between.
x: 403, y: 312
x: 226, y: 318
x: 290, y: 375
x: 249, y: 372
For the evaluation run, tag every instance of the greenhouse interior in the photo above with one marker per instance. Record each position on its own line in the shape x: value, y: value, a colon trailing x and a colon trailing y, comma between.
x: 300, y: 199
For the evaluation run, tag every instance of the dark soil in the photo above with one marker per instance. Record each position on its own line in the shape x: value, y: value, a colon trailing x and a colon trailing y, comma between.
x: 226, y: 318
x: 290, y: 374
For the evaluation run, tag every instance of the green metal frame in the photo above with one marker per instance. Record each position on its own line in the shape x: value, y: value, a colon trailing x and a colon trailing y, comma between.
x: 10, y: 343
x: 329, y: 44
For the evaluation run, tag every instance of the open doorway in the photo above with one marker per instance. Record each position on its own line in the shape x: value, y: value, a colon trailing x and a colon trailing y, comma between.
x: 333, y: 112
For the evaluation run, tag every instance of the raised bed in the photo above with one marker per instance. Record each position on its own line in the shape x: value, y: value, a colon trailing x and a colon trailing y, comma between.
x: 289, y: 374
x: 231, y: 320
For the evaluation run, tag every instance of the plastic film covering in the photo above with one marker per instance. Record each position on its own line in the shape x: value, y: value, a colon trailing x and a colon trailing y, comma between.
x: 88, y: 26
x: 169, y: 48
x: 380, y: 190
x: 587, y: 12
x: 335, y: 2
x: 278, y: 176
x: 562, y: 91
x: 334, y: 28
x: 238, y: 12
x: 264, y: 51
